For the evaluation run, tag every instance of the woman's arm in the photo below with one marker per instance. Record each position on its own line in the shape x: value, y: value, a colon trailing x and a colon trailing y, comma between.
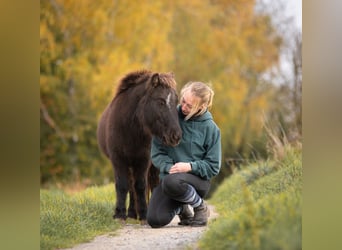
x: 210, y: 165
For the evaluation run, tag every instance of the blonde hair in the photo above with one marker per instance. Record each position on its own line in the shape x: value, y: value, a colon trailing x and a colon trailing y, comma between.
x: 205, y: 95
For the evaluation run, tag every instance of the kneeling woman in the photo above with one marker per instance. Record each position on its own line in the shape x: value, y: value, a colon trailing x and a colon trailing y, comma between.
x: 186, y: 170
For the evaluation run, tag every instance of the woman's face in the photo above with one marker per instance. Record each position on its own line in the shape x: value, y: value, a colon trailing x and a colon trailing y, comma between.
x: 188, y: 102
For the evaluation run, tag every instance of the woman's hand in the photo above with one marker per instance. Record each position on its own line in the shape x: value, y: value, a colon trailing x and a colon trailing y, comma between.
x: 180, y: 167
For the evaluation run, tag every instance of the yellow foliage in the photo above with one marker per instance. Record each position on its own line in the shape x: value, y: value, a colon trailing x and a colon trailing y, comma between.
x: 87, y: 46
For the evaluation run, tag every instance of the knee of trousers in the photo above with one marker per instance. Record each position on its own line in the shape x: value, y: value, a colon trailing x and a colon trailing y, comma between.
x: 155, y: 222
x: 172, y: 185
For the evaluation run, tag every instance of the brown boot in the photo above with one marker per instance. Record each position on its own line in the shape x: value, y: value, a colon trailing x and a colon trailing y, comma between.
x: 185, y: 216
x: 201, y: 215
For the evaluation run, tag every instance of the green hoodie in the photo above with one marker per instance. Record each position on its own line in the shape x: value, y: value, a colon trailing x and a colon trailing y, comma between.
x: 200, y: 145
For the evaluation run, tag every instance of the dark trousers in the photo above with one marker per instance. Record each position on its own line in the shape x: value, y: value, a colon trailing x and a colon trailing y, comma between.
x: 164, y: 202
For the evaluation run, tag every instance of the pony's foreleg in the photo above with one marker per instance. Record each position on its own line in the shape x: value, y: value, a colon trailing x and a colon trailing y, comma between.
x: 140, y: 190
x: 153, y: 179
x: 132, y: 212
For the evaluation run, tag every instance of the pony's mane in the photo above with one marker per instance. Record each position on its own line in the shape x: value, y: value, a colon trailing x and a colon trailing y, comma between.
x: 142, y: 76
x: 132, y: 79
x: 167, y: 80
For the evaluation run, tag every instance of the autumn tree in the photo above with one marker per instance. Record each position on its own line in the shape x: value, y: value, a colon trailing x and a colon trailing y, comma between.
x: 285, y: 115
x: 86, y: 46
x: 227, y: 44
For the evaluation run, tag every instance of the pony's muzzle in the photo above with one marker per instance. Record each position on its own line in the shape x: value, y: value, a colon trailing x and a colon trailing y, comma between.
x: 172, y: 139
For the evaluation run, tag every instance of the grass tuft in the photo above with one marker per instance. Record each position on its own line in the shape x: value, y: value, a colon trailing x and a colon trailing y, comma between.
x: 66, y: 220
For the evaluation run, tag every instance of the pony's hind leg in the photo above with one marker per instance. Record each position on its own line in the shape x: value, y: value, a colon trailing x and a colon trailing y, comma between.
x: 121, y: 188
x: 132, y: 211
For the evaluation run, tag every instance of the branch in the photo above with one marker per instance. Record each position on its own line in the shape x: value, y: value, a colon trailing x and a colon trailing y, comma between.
x: 48, y: 119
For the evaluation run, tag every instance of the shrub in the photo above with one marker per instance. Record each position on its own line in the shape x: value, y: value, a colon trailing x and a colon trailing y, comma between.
x: 259, y: 207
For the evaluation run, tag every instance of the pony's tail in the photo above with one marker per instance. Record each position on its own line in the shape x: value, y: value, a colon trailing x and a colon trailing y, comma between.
x: 152, y: 180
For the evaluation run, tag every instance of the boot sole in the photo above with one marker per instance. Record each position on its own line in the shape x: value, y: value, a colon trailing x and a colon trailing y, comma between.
x: 185, y: 222
x: 198, y: 224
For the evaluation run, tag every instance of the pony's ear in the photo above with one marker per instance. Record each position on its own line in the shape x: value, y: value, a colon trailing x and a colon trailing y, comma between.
x: 155, y: 80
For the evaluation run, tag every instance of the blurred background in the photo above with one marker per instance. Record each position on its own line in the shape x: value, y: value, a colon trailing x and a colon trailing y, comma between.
x: 249, y: 51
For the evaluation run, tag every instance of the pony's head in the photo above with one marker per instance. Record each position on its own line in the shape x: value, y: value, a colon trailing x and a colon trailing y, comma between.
x: 160, y: 108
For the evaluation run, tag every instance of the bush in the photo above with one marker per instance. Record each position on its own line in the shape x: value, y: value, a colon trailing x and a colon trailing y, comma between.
x: 259, y: 207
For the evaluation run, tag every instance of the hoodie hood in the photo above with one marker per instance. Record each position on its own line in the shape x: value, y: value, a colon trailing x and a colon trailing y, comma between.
x: 206, y: 116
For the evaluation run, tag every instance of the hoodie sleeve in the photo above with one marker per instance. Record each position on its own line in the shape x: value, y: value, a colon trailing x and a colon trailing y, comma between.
x: 210, y: 165
x: 160, y: 157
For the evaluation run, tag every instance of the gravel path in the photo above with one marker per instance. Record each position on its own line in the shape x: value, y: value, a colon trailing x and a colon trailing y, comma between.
x: 137, y: 237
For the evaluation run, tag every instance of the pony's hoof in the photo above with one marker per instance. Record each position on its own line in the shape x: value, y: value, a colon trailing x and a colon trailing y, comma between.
x: 143, y: 222
x: 121, y: 221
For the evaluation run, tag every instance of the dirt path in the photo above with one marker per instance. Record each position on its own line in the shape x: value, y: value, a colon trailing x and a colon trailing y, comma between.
x: 132, y: 237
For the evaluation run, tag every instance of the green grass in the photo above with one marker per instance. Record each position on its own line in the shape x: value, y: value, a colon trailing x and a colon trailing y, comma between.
x: 259, y: 207
x: 66, y: 220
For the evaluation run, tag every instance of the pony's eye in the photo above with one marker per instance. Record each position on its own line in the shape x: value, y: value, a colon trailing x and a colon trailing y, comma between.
x: 161, y: 102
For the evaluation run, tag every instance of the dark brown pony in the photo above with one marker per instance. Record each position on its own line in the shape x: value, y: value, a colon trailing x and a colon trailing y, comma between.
x: 144, y: 105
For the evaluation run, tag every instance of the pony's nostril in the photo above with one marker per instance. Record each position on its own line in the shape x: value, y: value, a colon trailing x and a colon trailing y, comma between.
x: 176, y: 138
